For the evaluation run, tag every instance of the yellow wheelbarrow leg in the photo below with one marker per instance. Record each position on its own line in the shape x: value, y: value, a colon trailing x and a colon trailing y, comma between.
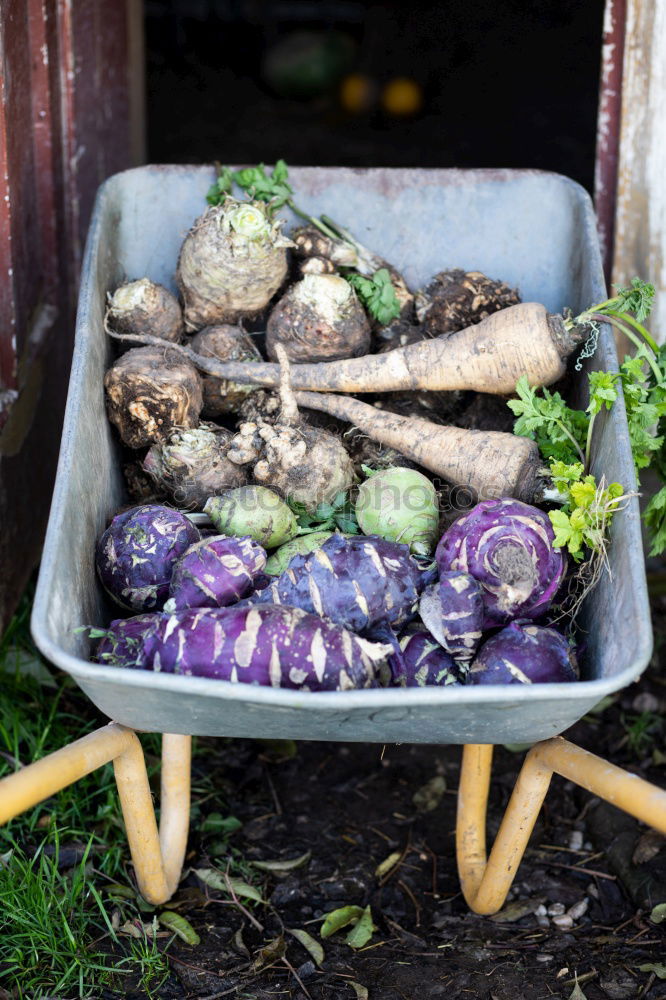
x: 486, y: 883
x: 157, y: 857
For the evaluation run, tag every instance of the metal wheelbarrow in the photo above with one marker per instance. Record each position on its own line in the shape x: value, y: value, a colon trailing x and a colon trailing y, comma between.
x: 535, y: 230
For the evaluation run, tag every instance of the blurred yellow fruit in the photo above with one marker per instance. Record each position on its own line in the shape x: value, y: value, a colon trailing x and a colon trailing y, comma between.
x: 358, y: 93
x: 402, y: 97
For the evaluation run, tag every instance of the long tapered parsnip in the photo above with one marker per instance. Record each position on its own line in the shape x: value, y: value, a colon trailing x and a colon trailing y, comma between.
x: 491, y: 463
x: 488, y: 357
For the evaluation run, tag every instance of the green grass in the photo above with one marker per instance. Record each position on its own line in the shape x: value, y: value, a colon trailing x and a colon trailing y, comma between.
x: 47, y: 921
x: 55, y: 934
x: 642, y: 730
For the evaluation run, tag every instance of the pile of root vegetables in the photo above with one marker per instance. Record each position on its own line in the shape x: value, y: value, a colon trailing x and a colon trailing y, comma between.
x: 398, y: 539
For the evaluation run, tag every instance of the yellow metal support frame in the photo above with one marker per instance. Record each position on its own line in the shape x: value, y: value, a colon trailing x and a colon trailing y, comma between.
x: 158, y: 856
x: 485, y: 883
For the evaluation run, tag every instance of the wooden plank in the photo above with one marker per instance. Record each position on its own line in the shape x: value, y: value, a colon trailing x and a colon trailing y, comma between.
x: 608, y: 127
x: 640, y: 221
x: 64, y: 127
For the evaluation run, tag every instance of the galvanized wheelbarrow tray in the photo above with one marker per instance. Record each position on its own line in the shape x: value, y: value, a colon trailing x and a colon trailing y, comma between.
x: 536, y: 231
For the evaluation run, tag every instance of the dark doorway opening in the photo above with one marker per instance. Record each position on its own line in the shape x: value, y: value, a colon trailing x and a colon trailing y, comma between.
x: 483, y: 84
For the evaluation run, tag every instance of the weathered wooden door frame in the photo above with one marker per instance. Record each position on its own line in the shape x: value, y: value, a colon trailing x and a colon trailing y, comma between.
x: 71, y: 113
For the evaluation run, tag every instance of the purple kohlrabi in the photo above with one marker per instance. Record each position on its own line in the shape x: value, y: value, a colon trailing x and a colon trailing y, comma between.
x: 524, y: 654
x: 508, y: 547
x: 269, y: 645
x: 452, y: 611
x: 356, y: 582
x: 215, y: 572
x: 421, y: 661
x: 137, y: 552
x: 126, y: 642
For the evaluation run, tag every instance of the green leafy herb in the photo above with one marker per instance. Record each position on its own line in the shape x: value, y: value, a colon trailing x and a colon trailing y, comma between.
x: 218, y: 191
x: 655, y: 520
x: 377, y: 294
x: 272, y: 188
x: 637, y: 298
x: 583, y: 520
x: 559, y: 431
x: 338, y: 514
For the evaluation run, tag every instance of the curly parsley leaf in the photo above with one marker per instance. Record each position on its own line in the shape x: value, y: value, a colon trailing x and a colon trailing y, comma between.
x: 272, y: 188
x: 655, y: 520
x: 377, y: 294
x: 559, y: 431
x: 603, y: 391
x: 585, y: 516
x: 219, y: 190
x: 338, y: 514
x: 635, y: 298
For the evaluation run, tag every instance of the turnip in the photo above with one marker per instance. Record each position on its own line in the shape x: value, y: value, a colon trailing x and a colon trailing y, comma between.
x: 255, y: 511
x: 400, y: 505
x: 192, y: 465
x: 300, y: 546
x: 305, y: 464
x: 225, y: 343
x: 456, y: 299
x: 357, y: 582
x: 318, y: 319
x: 452, y: 611
x: 276, y: 646
x: 145, y: 307
x: 149, y: 391
x: 507, y: 546
x: 215, y: 572
x: 137, y: 553
x: 231, y: 263
x: 524, y: 654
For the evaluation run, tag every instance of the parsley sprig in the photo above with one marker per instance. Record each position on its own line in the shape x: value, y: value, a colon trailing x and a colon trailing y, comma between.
x: 338, y: 514
x: 583, y: 519
x: 377, y: 294
x: 373, y: 286
x: 564, y: 436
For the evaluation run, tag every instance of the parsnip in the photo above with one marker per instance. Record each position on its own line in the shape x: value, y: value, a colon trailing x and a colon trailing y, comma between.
x: 488, y: 357
x: 490, y: 463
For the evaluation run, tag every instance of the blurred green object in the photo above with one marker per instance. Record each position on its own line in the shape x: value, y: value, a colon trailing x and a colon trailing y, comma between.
x: 306, y: 64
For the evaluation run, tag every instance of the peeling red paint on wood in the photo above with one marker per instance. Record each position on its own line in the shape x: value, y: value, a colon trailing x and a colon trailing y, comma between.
x: 64, y: 127
x: 608, y: 126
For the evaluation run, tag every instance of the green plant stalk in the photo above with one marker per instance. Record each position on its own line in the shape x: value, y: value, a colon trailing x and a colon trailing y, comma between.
x: 618, y: 321
x: 588, y: 442
x: 572, y: 439
x: 320, y: 225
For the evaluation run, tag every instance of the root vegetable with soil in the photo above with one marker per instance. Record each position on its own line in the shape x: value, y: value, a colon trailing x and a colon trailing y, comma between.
x: 490, y: 463
x: 192, y: 465
x: 305, y: 464
x: 231, y: 264
x: 225, y: 343
x: 319, y: 318
x: 144, y: 306
x: 453, y: 300
x: 489, y: 357
x: 151, y: 390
